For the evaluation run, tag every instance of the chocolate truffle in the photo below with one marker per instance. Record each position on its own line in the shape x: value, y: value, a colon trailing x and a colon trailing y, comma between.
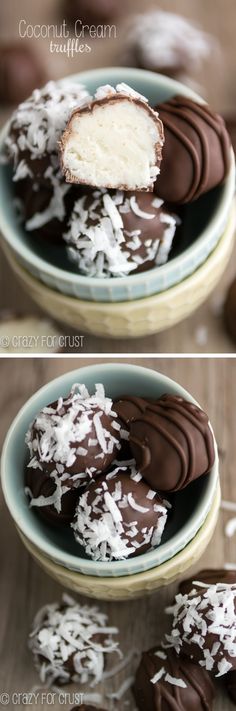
x: 230, y: 311
x: 31, y: 147
x: 20, y: 72
x: 204, y: 625
x: 166, y: 682
x: 197, y: 150
x: 70, y: 442
x: 93, y: 12
x: 112, y: 234
x: 172, y: 443
x: 166, y: 43
x: 70, y: 642
x: 119, y: 515
x: 100, y: 148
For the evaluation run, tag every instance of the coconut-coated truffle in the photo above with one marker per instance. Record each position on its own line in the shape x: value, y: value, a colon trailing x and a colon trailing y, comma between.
x: 119, y: 515
x: 70, y: 441
x: 31, y: 147
x: 70, y: 642
x: 112, y: 234
x: 204, y: 625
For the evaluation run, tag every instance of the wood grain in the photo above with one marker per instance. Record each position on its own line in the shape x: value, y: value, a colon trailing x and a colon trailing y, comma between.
x: 204, y: 331
x: 24, y: 587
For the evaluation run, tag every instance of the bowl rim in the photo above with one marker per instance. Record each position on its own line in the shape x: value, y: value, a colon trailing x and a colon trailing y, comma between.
x: 74, y: 278
x: 69, y: 560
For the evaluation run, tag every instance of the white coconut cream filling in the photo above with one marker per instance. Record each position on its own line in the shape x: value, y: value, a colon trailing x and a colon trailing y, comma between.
x: 113, y: 146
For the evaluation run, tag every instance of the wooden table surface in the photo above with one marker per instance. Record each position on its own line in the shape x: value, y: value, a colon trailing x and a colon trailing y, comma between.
x: 24, y: 587
x: 204, y: 331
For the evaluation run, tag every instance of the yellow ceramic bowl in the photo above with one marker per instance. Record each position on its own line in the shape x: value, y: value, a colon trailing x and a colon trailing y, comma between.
x: 141, y: 317
x: 131, y: 586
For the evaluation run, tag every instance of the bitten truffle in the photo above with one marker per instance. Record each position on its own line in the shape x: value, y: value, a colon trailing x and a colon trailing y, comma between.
x: 70, y: 642
x: 20, y: 72
x: 165, y: 681
x: 31, y: 147
x: 204, y: 625
x: 112, y: 234
x: 100, y: 147
x: 172, y: 443
x: 197, y: 151
x: 166, y: 43
x: 70, y: 442
x: 119, y: 515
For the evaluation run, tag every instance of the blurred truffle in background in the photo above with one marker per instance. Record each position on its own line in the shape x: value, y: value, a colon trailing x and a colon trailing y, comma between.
x: 230, y: 121
x: 229, y: 311
x: 92, y: 12
x: 166, y: 43
x: 21, y: 71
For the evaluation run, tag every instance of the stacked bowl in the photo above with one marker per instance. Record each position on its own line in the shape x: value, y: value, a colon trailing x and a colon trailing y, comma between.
x: 187, y: 532
x: 138, y: 304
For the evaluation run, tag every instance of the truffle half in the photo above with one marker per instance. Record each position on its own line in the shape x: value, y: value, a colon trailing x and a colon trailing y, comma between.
x: 113, y: 142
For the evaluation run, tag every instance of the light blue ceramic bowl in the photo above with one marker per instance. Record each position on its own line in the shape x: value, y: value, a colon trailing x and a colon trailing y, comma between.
x: 190, y: 506
x: 205, y: 220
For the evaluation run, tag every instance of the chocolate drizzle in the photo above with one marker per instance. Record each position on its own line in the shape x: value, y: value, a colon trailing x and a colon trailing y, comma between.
x: 177, y: 423
x: 197, y: 138
x: 198, y: 693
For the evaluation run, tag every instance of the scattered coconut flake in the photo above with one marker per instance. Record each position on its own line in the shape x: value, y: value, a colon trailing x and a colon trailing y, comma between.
x: 230, y: 527
x: 228, y: 505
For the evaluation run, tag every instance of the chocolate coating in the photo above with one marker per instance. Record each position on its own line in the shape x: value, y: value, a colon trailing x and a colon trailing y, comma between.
x: 93, y: 12
x: 42, y: 484
x: 119, y: 516
x: 20, y: 72
x: 211, y: 576
x: 196, y: 153
x: 204, y: 622
x: 197, y: 695
x: 100, y: 249
x: 230, y: 311
x: 172, y: 443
